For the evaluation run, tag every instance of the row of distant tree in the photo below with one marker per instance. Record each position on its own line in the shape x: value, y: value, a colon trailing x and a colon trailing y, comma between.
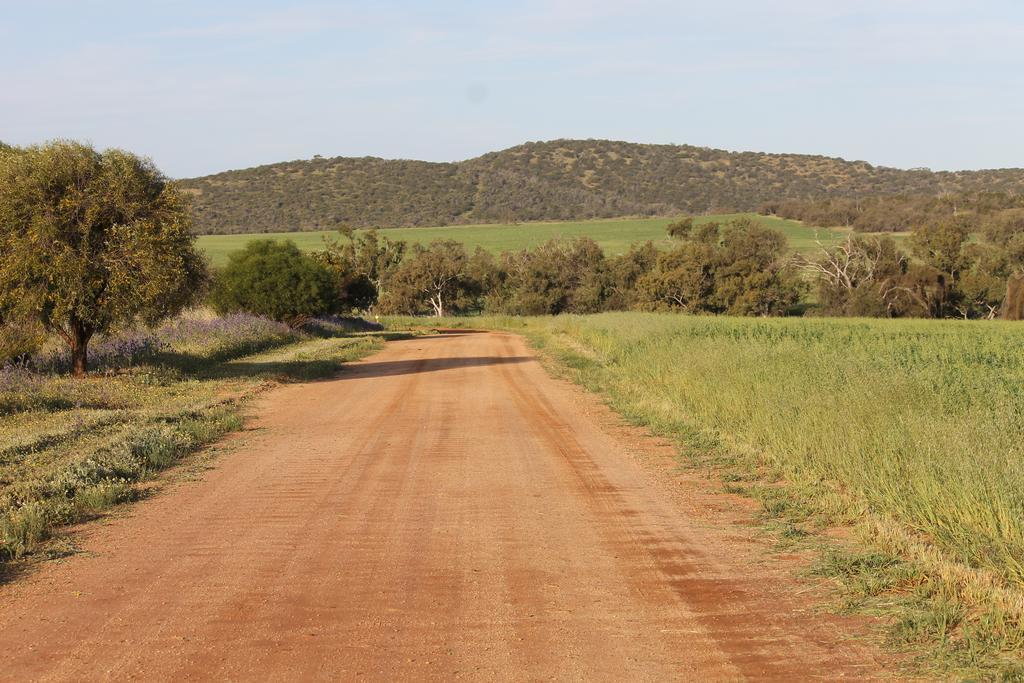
x: 966, y: 256
x: 946, y: 274
x: 740, y: 269
x: 901, y: 212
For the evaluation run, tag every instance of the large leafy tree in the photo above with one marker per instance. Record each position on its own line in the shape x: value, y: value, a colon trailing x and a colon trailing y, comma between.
x: 440, y: 278
x: 683, y: 278
x: 1005, y: 231
x: 754, y: 275
x: 559, y: 276
x: 941, y: 260
x: 741, y: 270
x: 623, y: 274
x: 362, y: 264
x: 90, y: 240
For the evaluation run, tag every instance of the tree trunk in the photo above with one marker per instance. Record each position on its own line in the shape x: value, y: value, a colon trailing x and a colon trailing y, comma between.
x: 80, y: 335
x: 1013, y: 304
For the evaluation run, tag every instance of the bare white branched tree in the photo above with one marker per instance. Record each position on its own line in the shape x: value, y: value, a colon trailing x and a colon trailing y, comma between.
x: 860, y: 262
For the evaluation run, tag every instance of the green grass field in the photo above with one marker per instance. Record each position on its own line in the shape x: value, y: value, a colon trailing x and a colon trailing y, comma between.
x: 614, y: 236
x: 909, y: 430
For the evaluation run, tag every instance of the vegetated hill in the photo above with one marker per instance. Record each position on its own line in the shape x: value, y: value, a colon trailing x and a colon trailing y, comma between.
x: 558, y: 180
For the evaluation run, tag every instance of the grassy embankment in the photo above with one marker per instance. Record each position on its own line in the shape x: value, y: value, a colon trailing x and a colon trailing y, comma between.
x: 72, y: 448
x: 910, y: 433
x: 614, y: 236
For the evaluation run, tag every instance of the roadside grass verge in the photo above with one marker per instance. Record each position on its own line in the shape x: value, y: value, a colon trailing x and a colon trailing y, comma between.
x: 906, y: 436
x: 70, y: 449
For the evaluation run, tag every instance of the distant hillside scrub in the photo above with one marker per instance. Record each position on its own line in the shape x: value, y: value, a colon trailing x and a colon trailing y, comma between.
x: 558, y: 180
x: 897, y: 213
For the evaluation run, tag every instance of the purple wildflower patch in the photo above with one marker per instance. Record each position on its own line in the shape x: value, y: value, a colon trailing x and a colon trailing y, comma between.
x: 215, y: 338
x: 18, y: 377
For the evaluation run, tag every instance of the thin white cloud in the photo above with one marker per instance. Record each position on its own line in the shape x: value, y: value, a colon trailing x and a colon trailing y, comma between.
x: 291, y: 20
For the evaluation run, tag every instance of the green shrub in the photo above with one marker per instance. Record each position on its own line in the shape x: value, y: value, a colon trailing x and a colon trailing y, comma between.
x: 18, y: 339
x: 23, y: 528
x: 276, y: 280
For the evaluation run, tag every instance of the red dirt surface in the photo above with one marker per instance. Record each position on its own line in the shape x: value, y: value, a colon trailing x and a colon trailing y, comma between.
x: 443, y: 510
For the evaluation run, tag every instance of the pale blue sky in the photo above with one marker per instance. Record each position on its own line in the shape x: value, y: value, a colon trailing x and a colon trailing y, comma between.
x: 208, y: 86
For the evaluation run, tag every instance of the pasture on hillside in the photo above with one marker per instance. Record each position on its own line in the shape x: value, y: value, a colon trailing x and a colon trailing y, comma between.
x: 614, y: 236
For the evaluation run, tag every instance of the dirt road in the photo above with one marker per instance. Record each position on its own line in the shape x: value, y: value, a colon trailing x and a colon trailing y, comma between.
x: 443, y: 510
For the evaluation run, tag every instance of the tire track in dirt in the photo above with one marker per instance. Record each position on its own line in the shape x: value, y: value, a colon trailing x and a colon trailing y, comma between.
x: 666, y: 562
x: 443, y: 510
